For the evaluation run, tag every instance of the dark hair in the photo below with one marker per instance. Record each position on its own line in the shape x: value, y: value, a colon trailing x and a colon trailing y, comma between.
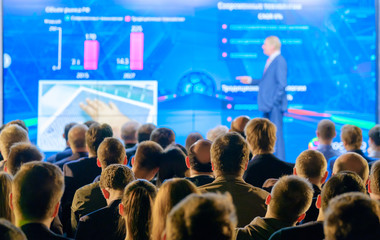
x: 148, y: 155
x: 144, y: 132
x: 21, y: 153
x: 138, y: 199
x: 95, y: 136
x: 116, y: 177
x: 374, y: 134
x: 89, y: 123
x: 193, y: 159
x: 111, y: 151
x: 326, y: 129
x: 67, y: 129
x: 172, y: 164
x: 163, y: 136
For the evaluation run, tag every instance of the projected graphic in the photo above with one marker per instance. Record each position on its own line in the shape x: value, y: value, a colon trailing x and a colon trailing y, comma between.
x: 194, y: 50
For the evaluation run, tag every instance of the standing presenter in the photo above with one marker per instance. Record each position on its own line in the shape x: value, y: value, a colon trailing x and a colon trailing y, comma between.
x: 271, y: 98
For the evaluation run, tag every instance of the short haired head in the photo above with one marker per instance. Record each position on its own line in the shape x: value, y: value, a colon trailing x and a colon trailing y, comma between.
x: 326, y: 129
x: 351, y: 136
x: 200, y: 156
x: 374, y: 180
x: 90, y: 122
x: 37, y: 189
x: 116, y: 177
x: 111, y: 151
x: 352, y: 162
x: 229, y: 154
x: 311, y: 164
x: 144, y: 132
x: 170, y: 193
x: 291, y: 197
x: 191, y: 139
x: 10, y: 135
x: 20, y: 123
x: 95, y: 136
x: 374, y: 134
x: 129, y: 131
x: 238, y: 125
x: 339, y: 184
x: 214, y: 133
x: 274, y: 41
x: 261, y: 135
x: 352, y: 216
x: 163, y: 136
x: 9, y: 232
x: 77, y: 136
x: 20, y: 154
x: 207, y: 216
x: 137, y: 204
x: 5, y: 190
x: 172, y: 164
x: 148, y: 155
x: 67, y: 129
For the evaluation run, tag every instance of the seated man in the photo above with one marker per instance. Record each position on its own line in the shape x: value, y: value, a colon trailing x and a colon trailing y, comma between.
x: 312, y: 165
x: 352, y: 139
x: 146, y: 162
x: 326, y: 133
x: 103, y: 223
x: 10, y: 232
x: 217, y: 131
x: 261, y: 138
x: 229, y: 159
x: 191, y: 139
x: 199, y: 163
x: 163, y: 136
x: 36, y: 192
x: 207, y: 216
x: 287, y: 204
x: 21, y: 153
x: 374, y: 142
x: 374, y: 181
x: 238, y: 125
x: 89, y: 198
x: 129, y: 133
x: 67, y: 151
x: 352, y: 216
x: 77, y: 143
x: 352, y: 162
x: 338, y: 184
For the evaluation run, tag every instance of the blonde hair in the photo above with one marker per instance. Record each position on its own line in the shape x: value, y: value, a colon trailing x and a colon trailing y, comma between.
x: 5, y: 190
x: 10, y: 135
x: 352, y: 136
x: 311, y: 164
x: 261, y: 135
x: 274, y: 41
x: 170, y: 193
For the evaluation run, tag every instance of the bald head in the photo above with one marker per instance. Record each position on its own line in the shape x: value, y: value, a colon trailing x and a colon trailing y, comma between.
x: 77, y: 138
x: 199, y: 156
x: 238, y: 124
x: 352, y: 162
x: 129, y: 132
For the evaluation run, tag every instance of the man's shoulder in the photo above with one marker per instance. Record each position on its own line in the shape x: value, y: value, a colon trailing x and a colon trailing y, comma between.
x: 236, y: 186
x: 34, y: 231
x: 311, y: 230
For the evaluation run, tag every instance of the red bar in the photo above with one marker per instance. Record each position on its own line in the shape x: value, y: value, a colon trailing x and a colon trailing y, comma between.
x: 137, y: 51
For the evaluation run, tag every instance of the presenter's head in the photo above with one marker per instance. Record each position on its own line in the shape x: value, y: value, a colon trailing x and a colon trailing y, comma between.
x: 271, y: 45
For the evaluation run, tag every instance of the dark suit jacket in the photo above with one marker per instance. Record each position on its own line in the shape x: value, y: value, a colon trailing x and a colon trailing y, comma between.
x: 272, y: 86
x: 313, y: 212
x: 265, y: 166
x: 38, y: 231
x: 249, y: 201
x: 87, y: 199
x: 130, y: 153
x: 101, y: 224
x: 74, y: 156
x: 308, y: 231
x: 260, y: 229
x: 59, y: 156
x: 200, y: 180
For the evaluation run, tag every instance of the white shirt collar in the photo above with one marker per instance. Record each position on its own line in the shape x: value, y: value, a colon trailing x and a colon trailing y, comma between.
x: 274, y: 55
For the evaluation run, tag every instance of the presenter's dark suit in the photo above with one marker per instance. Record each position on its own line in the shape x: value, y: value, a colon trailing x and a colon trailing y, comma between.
x: 38, y: 231
x: 272, y: 99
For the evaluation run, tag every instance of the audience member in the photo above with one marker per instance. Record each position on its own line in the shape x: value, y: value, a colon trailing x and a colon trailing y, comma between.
x: 214, y: 133
x: 229, y: 158
x: 191, y: 139
x: 326, y: 133
x: 67, y: 151
x: 77, y: 143
x: 352, y: 138
x: 207, y: 216
x: 129, y: 133
x: 199, y: 163
x: 374, y: 142
x: 238, y: 125
x: 287, y: 204
x: 352, y: 162
x: 136, y: 210
x: 261, y: 138
x: 21, y: 153
x: 352, y: 216
x: 172, y: 164
x: 143, y: 134
x: 10, y: 232
x: 103, y: 223
x: 340, y: 183
x: 170, y: 193
x: 36, y: 192
x: 5, y: 190
x: 374, y: 181
x: 10, y: 135
x: 90, y: 122
x: 89, y: 198
x: 163, y: 136
x: 146, y: 162
x: 312, y: 165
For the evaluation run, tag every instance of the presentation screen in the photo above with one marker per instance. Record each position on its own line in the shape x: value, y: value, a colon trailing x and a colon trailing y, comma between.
x: 174, y: 63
